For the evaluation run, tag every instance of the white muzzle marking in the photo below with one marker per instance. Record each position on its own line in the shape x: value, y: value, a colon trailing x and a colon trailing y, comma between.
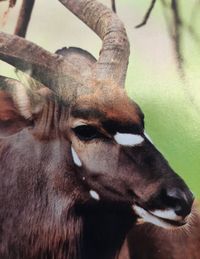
x: 166, y: 214
x: 147, y: 217
x: 94, y: 195
x: 159, y: 217
x: 126, y: 139
x: 76, y: 159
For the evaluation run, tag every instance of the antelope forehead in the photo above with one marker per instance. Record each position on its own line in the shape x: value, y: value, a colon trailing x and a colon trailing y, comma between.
x: 128, y: 139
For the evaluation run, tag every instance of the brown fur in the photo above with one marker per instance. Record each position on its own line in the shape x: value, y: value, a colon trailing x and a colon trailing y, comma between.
x: 46, y: 207
x: 46, y: 210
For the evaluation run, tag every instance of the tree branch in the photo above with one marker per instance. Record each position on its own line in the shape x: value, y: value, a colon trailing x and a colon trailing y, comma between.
x: 24, y: 17
x: 12, y: 3
x: 177, y: 37
x: 113, y: 6
x: 147, y: 15
x: 174, y: 28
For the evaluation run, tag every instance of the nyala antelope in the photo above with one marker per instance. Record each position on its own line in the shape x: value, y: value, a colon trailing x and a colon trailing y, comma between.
x: 76, y: 167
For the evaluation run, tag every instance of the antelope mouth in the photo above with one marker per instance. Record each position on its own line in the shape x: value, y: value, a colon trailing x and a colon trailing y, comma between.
x: 165, y: 219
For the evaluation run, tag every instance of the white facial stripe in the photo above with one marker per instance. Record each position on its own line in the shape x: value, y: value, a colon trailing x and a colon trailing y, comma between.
x: 79, y: 123
x: 126, y: 139
x: 166, y: 214
x: 76, y: 159
x: 147, y: 217
x: 94, y: 195
x: 147, y: 136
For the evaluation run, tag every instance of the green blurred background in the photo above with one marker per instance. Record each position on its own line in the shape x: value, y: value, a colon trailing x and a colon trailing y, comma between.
x: 171, y: 107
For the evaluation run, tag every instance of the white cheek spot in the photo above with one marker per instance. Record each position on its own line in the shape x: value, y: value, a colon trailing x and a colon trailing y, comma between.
x: 126, y: 139
x: 76, y: 159
x: 166, y: 214
x: 94, y: 195
x: 147, y: 136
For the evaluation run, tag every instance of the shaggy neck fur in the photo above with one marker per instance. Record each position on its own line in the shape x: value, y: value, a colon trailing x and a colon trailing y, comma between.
x: 50, y: 213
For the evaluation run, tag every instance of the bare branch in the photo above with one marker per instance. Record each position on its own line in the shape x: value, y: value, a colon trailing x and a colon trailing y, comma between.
x: 147, y: 15
x: 177, y: 39
x: 174, y: 28
x: 113, y: 60
x: 3, y: 20
x: 167, y: 17
x: 113, y: 6
x: 12, y: 3
x: 24, y: 17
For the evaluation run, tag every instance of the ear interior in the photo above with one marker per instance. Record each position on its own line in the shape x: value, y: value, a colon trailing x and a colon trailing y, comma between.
x: 20, y: 104
x: 11, y: 121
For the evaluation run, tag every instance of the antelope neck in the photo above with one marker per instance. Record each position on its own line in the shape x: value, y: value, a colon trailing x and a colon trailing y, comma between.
x: 112, y: 225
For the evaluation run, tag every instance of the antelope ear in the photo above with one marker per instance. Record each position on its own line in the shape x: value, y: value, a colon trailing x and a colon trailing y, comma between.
x: 15, y: 107
x: 11, y: 121
x: 79, y: 58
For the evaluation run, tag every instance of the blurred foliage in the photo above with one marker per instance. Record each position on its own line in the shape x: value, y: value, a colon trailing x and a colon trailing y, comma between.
x: 171, y: 99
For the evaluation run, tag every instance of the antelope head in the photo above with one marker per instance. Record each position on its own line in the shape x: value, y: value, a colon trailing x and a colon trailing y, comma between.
x: 86, y: 107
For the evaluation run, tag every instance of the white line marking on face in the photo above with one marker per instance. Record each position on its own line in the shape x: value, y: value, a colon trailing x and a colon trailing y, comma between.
x: 94, y: 195
x: 147, y: 136
x: 147, y: 217
x: 126, y: 139
x: 166, y: 214
x: 79, y: 123
x: 76, y: 159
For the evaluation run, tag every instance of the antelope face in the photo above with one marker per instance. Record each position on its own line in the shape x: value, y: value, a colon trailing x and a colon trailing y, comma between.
x: 118, y: 161
x: 109, y: 149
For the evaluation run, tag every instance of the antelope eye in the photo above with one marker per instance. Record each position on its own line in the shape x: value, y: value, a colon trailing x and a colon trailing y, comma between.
x: 86, y: 132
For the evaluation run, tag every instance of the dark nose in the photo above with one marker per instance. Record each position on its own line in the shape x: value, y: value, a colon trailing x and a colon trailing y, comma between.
x: 178, y: 200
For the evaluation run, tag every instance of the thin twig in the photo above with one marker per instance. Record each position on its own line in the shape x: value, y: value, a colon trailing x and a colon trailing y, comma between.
x: 24, y: 17
x: 167, y: 17
x: 3, y: 20
x: 175, y: 26
x: 147, y: 15
x: 177, y: 37
x: 113, y: 6
x: 12, y: 3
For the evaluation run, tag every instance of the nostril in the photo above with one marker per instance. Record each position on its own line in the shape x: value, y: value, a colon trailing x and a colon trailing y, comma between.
x: 181, y: 211
x: 176, y: 194
x: 180, y: 201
